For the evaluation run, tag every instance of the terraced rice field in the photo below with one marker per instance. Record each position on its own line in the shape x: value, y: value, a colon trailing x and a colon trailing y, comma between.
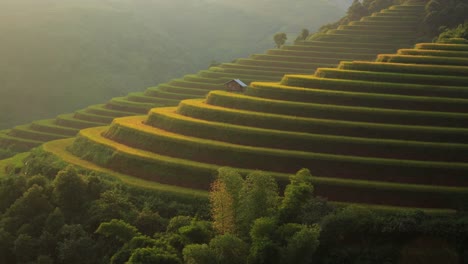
x: 382, y: 132
x: 383, y: 32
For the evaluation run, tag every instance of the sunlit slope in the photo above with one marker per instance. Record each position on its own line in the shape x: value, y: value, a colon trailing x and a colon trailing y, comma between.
x: 361, y: 40
x: 377, y: 132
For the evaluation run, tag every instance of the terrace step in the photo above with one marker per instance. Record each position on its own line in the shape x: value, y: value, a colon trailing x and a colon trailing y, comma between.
x: 309, y: 81
x: 169, y: 144
x: 200, y: 110
x: 405, y: 78
x: 26, y: 132
x: 437, y: 60
x: 101, y: 109
x: 441, y: 53
x: 166, y: 119
x: 68, y: 120
x: 252, y: 67
x: 372, y: 100
x: 50, y: 126
x: 19, y: 144
x: 442, y: 46
x: 404, y: 68
x: 155, y: 91
x: 356, y: 191
x: 85, y: 116
x: 122, y: 104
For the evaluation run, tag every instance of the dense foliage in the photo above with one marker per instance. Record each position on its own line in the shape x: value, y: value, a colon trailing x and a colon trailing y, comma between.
x: 53, y: 213
x: 359, y: 9
x: 461, y: 31
x: 443, y: 14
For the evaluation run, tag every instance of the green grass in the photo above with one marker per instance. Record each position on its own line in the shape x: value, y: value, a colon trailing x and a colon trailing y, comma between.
x: 197, y: 85
x: 256, y: 72
x: 142, y: 97
x: 404, y: 68
x: 18, y: 144
x: 123, y: 104
x: 365, y: 48
x: 213, y: 74
x: 90, y: 117
x: 155, y: 91
x: 367, y: 32
x: 49, y: 126
x: 197, y: 78
x: 338, y: 112
x: 26, y: 132
x: 169, y: 98
x: 284, y: 64
x: 146, y: 164
x: 310, y: 81
x: 385, y: 39
x: 167, y: 120
x: 437, y: 60
x: 262, y: 68
x: 441, y: 53
x: 101, y: 109
x: 362, y: 44
x: 361, y: 26
x: 405, y: 78
x: 198, y: 109
x: 318, y: 54
x: 68, y: 120
x: 132, y: 133
x: 300, y: 59
x: 442, y: 46
x: 325, y: 96
x: 58, y: 148
x: 392, y: 19
x: 13, y: 163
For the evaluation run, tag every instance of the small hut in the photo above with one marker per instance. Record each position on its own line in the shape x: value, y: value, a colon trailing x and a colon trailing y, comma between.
x: 235, y: 85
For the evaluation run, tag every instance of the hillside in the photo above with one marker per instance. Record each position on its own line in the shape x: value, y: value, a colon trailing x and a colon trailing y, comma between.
x: 389, y: 132
x: 59, y: 56
x: 301, y: 57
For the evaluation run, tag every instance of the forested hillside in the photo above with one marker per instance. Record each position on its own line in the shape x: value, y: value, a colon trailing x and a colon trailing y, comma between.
x: 58, y: 56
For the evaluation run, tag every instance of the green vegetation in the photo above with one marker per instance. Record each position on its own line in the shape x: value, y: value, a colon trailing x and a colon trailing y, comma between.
x: 80, y: 216
x: 299, y: 58
x: 280, y: 39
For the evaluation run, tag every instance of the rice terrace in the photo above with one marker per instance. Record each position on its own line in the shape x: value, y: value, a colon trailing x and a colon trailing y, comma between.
x: 348, y: 145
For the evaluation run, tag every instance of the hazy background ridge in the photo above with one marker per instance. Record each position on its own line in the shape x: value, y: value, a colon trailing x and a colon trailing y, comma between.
x: 59, y: 56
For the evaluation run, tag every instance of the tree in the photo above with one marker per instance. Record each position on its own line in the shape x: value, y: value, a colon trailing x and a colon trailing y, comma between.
x: 222, y: 209
x: 113, y: 204
x: 153, y: 256
x: 199, y: 254
x: 296, y: 194
x: 304, y: 34
x: 280, y: 38
x: 265, y: 247
x: 149, y: 222
x: 224, y: 200
x: 258, y: 198
x: 54, y: 221
x: 356, y: 11
x: 117, y: 230
x: 29, y: 210
x: 229, y: 249
x: 197, y: 232
x: 25, y: 248
x: 70, y: 192
x: 302, y: 246
x: 76, y: 246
